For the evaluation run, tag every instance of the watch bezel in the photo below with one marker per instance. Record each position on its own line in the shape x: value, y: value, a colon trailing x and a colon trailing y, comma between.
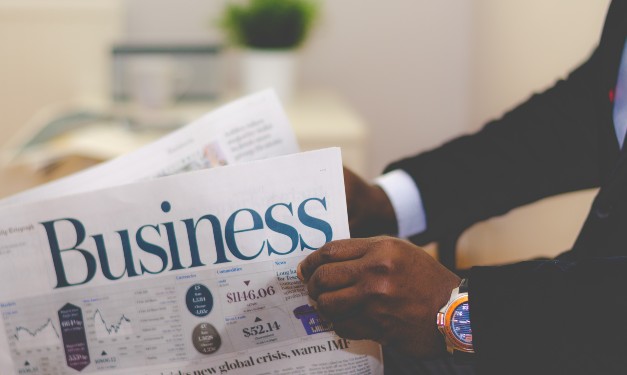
x: 448, y: 331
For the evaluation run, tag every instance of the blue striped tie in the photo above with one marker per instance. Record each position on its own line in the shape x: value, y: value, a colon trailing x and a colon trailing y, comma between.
x: 620, y: 100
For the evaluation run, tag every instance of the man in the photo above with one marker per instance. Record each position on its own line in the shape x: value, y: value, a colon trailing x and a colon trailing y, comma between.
x: 562, y: 316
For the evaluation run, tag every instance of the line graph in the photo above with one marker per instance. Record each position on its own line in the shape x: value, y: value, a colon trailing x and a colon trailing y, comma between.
x: 118, y: 321
x: 44, y: 335
x: 121, y: 327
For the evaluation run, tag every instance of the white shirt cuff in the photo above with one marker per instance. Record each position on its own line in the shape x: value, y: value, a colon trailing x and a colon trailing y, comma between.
x: 406, y: 201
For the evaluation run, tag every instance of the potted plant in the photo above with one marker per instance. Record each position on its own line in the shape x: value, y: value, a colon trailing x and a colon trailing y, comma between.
x: 270, y: 31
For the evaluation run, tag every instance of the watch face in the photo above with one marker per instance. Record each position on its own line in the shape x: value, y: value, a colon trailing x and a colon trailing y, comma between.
x: 460, y: 323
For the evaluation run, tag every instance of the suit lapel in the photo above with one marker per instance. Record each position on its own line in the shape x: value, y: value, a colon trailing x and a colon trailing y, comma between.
x: 593, y: 240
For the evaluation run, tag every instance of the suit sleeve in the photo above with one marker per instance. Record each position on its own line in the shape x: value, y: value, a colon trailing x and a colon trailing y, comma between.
x: 546, y: 146
x: 550, y: 317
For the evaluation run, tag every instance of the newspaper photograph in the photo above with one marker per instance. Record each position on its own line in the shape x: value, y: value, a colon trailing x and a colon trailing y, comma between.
x: 188, y: 274
x: 251, y: 128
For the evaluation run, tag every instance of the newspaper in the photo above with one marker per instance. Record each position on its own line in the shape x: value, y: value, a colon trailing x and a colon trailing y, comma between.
x: 160, y: 298
x: 186, y: 274
x: 251, y: 128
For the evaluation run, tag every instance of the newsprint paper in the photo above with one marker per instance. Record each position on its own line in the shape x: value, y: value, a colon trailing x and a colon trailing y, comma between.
x: 251, y: 128
x: 193, y: 273
x: 187, y: 274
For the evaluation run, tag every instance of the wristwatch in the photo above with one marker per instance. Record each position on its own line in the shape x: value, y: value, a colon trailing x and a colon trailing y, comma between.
x: 454, y: 322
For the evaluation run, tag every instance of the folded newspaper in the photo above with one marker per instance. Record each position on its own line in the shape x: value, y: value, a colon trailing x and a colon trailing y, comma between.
x: 192, y: 273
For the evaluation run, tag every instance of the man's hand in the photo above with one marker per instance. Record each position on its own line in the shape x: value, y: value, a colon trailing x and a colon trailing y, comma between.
x: 370, y: 212
x: 381, y: 288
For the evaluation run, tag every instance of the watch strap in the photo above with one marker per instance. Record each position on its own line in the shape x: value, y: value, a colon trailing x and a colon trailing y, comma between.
x: 463, y: 286
x: 463, y: 358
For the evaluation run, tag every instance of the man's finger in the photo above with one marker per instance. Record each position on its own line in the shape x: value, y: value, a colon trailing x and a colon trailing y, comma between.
x: 334, y: 251
x: 358, y: 328
x: 340, y: 304
x: 333, y: 276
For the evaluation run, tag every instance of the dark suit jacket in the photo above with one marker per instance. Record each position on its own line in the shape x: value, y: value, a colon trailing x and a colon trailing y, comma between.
x: 562, y: 316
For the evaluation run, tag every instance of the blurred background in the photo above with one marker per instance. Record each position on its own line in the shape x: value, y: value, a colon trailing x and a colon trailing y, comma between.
x: 382, y: 79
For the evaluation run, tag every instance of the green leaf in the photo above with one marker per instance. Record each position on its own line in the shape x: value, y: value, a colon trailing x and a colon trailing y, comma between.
x: 272, y: 24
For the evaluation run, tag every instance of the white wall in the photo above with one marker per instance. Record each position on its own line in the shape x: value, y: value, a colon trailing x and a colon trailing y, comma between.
x: 173, y: 21
x: 52, y: 53
x: 404, y: 64
x: 524, y: 46
x: 419, y: 71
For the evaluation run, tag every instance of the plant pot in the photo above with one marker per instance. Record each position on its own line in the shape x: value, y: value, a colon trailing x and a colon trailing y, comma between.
x: 262, y: 69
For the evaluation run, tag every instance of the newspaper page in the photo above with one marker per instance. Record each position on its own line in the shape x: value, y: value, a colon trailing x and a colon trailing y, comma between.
x: 251, y: 128
x: 182, y: 275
